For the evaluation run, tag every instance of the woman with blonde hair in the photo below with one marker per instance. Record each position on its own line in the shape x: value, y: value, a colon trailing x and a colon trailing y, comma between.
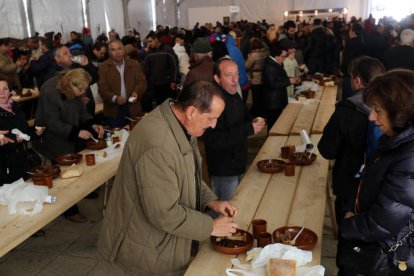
x: 68, y: 124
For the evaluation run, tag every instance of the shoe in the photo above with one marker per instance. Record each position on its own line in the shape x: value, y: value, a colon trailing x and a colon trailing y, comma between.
x: 77, y: 218
x: 39, y: 233
x: 92, y: 195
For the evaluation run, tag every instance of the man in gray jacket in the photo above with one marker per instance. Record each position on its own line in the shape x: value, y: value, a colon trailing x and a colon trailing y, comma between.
x: 156, y: 211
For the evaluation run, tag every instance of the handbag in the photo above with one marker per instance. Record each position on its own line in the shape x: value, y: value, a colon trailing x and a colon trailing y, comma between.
x: 371, y: 258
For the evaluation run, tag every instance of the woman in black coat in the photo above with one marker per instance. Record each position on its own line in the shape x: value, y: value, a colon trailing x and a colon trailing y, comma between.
x: 384, y: 207
x: 13, y: 159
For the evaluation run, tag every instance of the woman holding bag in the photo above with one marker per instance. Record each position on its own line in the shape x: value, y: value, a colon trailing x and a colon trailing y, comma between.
x: 384, y: 209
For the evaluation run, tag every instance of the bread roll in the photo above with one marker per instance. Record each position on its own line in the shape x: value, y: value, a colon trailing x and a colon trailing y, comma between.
x: 72, y: 171
x: 280, y: 267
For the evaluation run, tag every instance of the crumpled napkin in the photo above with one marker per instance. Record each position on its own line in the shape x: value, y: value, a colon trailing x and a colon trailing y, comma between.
x: 22, y: 135
x: 260, y: 258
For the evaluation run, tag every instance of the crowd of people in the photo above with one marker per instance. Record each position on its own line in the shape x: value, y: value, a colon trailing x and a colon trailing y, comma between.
x: 195, y: 83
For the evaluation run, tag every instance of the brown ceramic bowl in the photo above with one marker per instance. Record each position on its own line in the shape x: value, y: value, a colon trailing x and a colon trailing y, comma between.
x: 231, y: 247
x: 69, y: 159
x: 270, y: 165
x: 302, y: 158
x: 309, y: 94
x: 307, y: 239
x: 40, y: 171
x: 92, y: 145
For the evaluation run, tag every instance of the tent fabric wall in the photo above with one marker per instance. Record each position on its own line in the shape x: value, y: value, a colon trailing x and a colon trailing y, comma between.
x: 11, y: 16
x: 58, y: 16
x: 140, y: 16
x: 106, y: 15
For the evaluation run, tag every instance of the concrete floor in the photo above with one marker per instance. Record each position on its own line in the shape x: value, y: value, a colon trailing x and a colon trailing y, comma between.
x: 70, y: 249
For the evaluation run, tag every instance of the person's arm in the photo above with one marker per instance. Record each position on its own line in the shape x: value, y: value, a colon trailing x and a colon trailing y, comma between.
x: 392, y: 209
x: 49, y: 114
x: 7, y: 68
x: 140, y: 82
x: 275, y: 78
x: 104, y: 88
x: 167, y: 213
x: 223, y: 136
x: 331, y: 142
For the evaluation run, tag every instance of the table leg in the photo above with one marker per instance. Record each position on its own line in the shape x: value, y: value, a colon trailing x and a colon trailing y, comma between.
x: 105, y: 198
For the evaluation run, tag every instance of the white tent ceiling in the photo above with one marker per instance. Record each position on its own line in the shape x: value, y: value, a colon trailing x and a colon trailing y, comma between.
x: 67, y: 15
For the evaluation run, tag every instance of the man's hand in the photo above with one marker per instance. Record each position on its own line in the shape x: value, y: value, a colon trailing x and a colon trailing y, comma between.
x: 173, y: 86
x: 258, y: 125
x: 223, y: 207
x: 223, y: 227
x: 120, y: 100
x: 99, y: 129
x: 84, y: 60
x: 349, y: 214
x: 84, y: 134
x: 3, y: 139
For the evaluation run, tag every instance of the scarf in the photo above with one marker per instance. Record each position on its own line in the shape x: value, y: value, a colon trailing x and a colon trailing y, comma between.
x: 8, y: 105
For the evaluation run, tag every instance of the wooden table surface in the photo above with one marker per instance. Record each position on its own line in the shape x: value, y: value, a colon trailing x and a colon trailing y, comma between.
x: 279, y: 199
x: 20, y: 99
x: 14, y: 229
x: 311, y: 115
x: 325, y: 110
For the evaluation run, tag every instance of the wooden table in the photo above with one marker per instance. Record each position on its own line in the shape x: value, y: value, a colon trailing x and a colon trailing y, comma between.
x: 14, y: 229
x: 325, y: 110
x: 20, y: 99
x: 281, y: 200
x: 311, y: 115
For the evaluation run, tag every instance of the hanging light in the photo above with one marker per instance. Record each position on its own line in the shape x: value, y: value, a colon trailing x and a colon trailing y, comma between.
x: 301, y: 13
x: 345, y: 10
x: 330, y: 10
x: 286, y: 13
x: 316, y: 12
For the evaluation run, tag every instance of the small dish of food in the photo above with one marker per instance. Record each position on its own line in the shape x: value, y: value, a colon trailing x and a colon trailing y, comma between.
x: 306, y: 240
x: 270, y: 165
x: 302, y: 158
x: 93, y: 145
x: 69, y: 159
x: 238, y: 243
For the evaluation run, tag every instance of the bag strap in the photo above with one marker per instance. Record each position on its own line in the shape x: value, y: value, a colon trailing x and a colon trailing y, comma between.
x: 402, y: 240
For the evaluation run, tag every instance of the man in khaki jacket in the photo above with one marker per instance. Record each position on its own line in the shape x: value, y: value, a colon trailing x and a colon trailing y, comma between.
x: 121, y: 85
x: 156, y: 211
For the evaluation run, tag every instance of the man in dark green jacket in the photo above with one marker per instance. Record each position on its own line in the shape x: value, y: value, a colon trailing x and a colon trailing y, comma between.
x: 155, y: 213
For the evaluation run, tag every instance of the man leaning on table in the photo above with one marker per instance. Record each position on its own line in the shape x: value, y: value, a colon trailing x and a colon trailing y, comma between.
x: 156, y: 212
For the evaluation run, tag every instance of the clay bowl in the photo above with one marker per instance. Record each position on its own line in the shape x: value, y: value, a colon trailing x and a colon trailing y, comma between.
x: 270, y: 165
x: 231, y: 247
x: 302, y: 158
x: 39, y: 172
x: 307, y: 239
x: 309, y: 94
x: 92, y: 145
x: 69, y: 159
